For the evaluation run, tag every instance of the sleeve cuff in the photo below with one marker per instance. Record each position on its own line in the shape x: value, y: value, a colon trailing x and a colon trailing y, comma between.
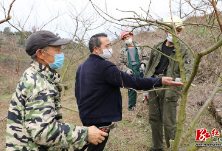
x: 158, y: 82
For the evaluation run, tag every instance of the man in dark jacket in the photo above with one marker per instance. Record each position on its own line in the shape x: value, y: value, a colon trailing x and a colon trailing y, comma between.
x: 97, y: 87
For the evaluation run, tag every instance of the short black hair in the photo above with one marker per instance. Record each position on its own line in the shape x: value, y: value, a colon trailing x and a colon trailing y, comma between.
x: 95, y: 41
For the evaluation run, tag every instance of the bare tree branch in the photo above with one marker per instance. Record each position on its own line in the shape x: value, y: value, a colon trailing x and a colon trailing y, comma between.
x: 50, y: 21
x: 218, y: 17
x: 8, y: 16
x: 19, y: 30
x: 201, y: 111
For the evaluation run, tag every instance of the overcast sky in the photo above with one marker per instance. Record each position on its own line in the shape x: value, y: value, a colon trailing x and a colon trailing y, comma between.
x: 40, y: 12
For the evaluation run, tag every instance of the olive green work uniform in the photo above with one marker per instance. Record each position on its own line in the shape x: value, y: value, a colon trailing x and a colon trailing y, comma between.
x: 163, y: 103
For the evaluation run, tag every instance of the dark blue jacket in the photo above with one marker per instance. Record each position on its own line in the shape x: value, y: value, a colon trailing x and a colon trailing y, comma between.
x: 97, y: 90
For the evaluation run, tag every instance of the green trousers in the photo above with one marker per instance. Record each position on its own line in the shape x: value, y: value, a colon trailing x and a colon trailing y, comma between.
x: 162, y: 114
x: 132, y: 95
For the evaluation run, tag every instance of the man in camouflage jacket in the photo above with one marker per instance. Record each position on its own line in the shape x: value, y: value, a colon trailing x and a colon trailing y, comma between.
x: 132, y: 60
x: 34, y: 116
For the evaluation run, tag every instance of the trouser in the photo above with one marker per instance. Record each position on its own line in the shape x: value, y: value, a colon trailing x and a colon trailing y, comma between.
x: 132, y: 95
x: 162, y: 114
x: 100, y: 146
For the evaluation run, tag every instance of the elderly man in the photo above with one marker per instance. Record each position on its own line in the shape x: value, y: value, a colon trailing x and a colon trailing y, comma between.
x: 132, y: 60
x: 162, y: 105
x: 34, y: 117
x: 98, y: 83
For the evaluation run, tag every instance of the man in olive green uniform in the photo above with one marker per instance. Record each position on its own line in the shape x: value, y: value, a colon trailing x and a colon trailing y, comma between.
x: 132, y: 60
x: 163, y: 103
x: 34, y: 116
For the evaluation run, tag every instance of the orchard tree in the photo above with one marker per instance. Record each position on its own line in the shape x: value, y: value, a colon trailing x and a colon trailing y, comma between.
x: 209, y: 24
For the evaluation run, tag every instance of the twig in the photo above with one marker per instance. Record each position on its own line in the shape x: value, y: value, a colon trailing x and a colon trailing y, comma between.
x: 8, y: 16
x: 210, y: 26
x: 172, y: 17
x: 4, y: 118
x: 70, y: 109
x: 27, y: 19
x: 94, y: 6
x: 148, y: 9
x: 195, y: 8
x: 160, y: 52
x: 19, y: 30
x: 218, y: 17
x: 159, y: 90
x: 201, y: 111
x: 81, y: 58
x: 50, y: 21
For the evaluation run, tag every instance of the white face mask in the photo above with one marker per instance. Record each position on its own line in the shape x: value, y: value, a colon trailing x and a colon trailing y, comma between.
x: 169, y: 37
x: 129, y: 41
x: 107, y: 53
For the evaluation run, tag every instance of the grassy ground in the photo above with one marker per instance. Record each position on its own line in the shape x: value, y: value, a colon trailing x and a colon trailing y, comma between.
x: 4, y: 104
x: 133, y: 133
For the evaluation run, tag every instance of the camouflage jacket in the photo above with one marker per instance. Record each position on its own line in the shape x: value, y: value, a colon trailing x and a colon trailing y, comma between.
x: 34, y: 117
x: 123, y: 58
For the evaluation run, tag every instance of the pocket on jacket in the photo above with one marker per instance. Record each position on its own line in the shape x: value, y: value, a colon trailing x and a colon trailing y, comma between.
x: 172, y: 96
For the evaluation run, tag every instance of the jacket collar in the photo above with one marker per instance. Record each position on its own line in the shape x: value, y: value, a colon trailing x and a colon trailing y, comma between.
x: 95, y: 56
x: 160, y: 45
x: 46, y: 73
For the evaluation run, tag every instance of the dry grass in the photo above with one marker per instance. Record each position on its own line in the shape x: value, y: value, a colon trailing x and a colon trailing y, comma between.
x: 133, y: 132
x: 4, y: 105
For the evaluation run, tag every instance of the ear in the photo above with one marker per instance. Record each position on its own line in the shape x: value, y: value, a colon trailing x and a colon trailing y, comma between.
x: 165, y: 31
x: 39, y: 54
x: 95, y: 50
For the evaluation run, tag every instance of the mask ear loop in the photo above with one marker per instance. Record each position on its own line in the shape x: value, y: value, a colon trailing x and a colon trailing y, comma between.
x: 49, y: 54
x: 100, y: 49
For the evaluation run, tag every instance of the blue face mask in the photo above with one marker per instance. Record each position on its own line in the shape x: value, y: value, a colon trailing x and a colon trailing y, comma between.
x: 59, y: 59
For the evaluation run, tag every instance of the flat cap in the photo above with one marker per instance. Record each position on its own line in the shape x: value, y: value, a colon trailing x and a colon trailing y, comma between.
x: 42, y: 39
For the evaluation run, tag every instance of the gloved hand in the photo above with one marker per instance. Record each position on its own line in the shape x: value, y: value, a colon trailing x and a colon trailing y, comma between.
x: 129, y: 71
x: 142, y: 68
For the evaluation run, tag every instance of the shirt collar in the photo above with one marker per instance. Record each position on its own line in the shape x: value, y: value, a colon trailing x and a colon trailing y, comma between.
x: 47, y: 73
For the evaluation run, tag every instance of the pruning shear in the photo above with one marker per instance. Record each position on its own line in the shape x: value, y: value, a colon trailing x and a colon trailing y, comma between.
x: 107, y: 128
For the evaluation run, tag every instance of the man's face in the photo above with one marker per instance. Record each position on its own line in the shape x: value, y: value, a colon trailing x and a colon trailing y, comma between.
x: 105, y: 44
x: 126, y: 37
x: 53, y: 50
